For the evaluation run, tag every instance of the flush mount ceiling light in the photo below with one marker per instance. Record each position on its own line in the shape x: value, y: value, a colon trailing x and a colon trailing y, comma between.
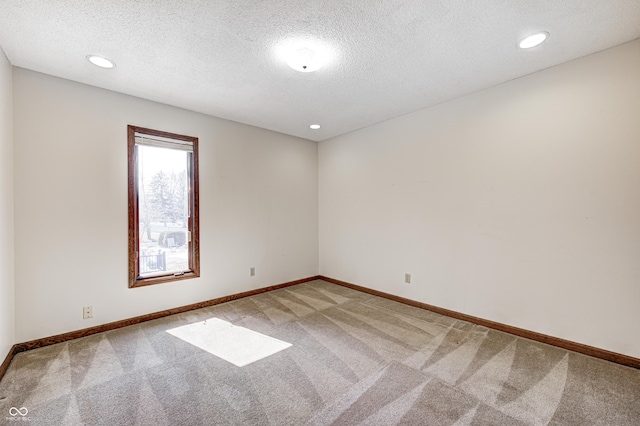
x: 533, y: 40
x: 304, y: 60
x: 303, y: 54
x: 101, y: 61
x: 314, y: 126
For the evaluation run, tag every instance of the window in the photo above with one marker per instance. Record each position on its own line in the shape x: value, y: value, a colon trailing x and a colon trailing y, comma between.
x: 163, y: 207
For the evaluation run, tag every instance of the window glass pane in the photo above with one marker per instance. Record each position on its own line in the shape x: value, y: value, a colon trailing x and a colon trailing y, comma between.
x: 163, y: 210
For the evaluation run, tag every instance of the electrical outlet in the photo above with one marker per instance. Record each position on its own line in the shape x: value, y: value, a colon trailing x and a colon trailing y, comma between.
x: 87, y: 312
x: 407, y: 278
x: 252, y: 271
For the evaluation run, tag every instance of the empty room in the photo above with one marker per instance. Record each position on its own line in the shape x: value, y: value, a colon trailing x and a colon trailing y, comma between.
x: 354, y: 212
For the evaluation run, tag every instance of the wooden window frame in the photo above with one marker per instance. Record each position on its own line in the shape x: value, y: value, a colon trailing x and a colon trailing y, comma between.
x: 135, y: 280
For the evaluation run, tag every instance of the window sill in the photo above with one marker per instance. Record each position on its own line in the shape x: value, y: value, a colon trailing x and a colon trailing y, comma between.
x: 141, y: 282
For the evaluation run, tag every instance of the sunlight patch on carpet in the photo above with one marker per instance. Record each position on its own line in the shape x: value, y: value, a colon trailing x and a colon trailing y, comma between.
x: 237, y: 345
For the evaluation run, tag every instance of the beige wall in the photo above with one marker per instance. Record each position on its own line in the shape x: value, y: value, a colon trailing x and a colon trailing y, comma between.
x: 258, y: 206
x: 519, y: 204
x: 6, y: 208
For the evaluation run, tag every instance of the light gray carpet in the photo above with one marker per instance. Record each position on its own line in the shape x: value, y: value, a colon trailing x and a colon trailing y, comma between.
x: 356, y: 359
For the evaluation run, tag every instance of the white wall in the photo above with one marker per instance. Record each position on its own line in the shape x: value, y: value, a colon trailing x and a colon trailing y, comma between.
x: 6, y: 208
x: 519, y: 204
x: 258, y: 206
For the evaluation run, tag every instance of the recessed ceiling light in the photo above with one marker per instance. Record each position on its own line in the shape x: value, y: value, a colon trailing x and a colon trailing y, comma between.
x: 100, y: 61
x: 314, y: 126
x: 533, y: 40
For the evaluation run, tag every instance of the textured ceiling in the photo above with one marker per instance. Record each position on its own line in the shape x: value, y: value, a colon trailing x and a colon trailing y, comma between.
x: 220, y: 57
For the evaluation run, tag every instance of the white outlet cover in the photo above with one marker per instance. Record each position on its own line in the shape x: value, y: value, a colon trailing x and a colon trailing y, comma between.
x: 87, y: 312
